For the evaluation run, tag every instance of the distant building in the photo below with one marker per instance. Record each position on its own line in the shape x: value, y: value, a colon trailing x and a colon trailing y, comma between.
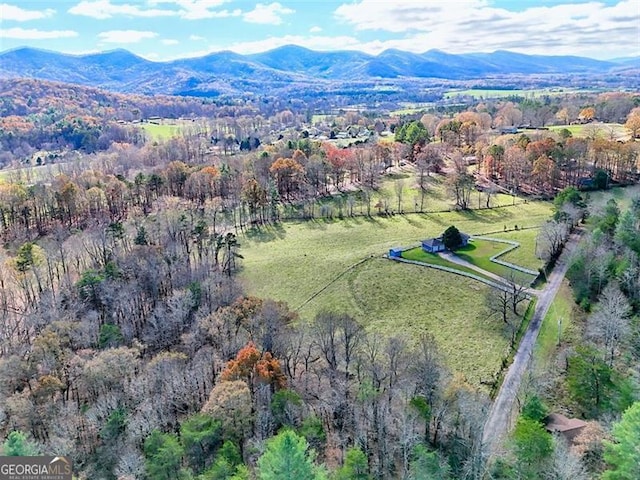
x: 395, y: 252
x: 435, y: 245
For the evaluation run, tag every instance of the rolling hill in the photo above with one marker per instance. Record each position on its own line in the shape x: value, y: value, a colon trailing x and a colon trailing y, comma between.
x: 226, y: 72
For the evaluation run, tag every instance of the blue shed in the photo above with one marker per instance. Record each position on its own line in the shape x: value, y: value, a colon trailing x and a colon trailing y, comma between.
x: 395, y: 252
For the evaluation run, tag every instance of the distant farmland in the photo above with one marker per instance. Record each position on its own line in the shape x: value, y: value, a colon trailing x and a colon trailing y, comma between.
x: 501, y: 93
x: 338, y: 265
x: 611, y: 131
x: 165, y: 128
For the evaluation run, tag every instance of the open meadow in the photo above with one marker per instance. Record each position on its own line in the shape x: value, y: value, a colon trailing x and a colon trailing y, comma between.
x: 609, y: 131
x: 160, y: 131
x: 399, y: 191
x: 622, y: 195
x: 479, y: 252
x: 393, y: 298
x: 525, y: 254
x: 480, y: 93
x: 338, y: 264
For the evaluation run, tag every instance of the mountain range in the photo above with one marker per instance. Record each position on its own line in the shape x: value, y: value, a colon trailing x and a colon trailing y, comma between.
x: 229, y: 72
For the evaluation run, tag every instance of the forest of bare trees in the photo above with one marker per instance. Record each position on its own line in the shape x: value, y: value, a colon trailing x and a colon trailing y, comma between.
x: 127, y: 343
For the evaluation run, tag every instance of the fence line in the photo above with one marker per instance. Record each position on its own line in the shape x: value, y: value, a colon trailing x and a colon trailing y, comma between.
x: 496, y: 257
x: 455, y: 271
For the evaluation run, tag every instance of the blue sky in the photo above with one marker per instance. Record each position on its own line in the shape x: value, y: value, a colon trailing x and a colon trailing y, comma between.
x: 168, y: 29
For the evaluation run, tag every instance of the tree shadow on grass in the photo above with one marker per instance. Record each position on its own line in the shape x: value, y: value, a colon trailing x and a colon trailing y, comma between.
x: 415, y: 220
x: 265, y: 233
x: 433, y: 218
x: 484, y: 215
x: 316, y: 223
x: 469, y: 247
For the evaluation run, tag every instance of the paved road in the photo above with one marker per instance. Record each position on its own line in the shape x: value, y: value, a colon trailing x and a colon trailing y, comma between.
x: 500, y: 416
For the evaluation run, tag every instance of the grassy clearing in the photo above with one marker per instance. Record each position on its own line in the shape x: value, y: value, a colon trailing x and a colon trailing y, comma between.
x: 419, y: 255
x: 160, y: 132
x: 411, y: 108
x: 294, y: 261
x: 392, y: 298
x: 493, y: 93
x: 622, y: 196
x: 29, y: 175
x: 437, y: 199
x: 612, y: 131
x: 321, y: 118
x: 525, y: 254
x: 559, y: 321
x: 479, y: 253
x: 306, y: 256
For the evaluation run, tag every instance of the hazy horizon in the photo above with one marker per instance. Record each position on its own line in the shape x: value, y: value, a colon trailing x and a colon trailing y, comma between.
x: 163, y: 30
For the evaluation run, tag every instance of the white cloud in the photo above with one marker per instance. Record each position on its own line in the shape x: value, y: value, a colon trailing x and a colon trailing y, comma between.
x: 267, y: 14
x: 315, y: 29
x: 185, y: 9
x: 589, y: 28
x: 17, y: 14
x: 196, y: 38
x: 169, y: 41
x: 34, y: 34
x: 125, y: 36
x: 103, y: 9
x: 406, y: 15
x: 198, y: 9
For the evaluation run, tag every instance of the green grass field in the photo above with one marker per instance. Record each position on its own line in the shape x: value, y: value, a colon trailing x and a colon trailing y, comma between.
x: 419, y: 255
x: 411, y: 108
x: 311, y: 265
x: 160, y: 132
x: 391, y: 298
x: 622, y: 196
x: 321, y: 118
x: 308, y: 255
x: 437, y: 198
x: 525, y: 254
x: 611, y: 131
x: 559, y: 322
x: 479, y: 253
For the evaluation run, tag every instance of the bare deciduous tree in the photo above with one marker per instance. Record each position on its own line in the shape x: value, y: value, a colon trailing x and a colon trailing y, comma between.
x: 610, y: 325
x: 550, y: 239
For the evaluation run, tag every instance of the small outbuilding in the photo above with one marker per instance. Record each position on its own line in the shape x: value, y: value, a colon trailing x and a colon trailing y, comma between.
x: 433, y: 245
x: 436, y: 244
x: 395, y: 252
x: 569, y: 428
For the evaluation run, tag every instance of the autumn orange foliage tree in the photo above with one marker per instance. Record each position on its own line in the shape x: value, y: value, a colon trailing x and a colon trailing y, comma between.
x: 289, y: 176
x: 252, y: 366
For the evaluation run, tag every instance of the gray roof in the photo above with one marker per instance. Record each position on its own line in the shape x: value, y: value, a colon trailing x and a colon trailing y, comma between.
x: 437, y: 241
x: 433, y: 242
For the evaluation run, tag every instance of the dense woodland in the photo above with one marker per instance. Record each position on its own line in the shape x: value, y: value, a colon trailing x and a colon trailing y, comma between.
x: 594, y: 371
x: 127, y: 343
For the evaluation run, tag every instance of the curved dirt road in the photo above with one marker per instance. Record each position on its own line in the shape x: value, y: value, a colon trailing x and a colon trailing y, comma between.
x: 499, y: 421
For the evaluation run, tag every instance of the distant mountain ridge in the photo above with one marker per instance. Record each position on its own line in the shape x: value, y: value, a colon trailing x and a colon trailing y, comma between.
x: 226, y: 72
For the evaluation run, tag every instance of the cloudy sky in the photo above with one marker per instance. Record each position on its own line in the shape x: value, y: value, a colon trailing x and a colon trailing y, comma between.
x: 168, y: 29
